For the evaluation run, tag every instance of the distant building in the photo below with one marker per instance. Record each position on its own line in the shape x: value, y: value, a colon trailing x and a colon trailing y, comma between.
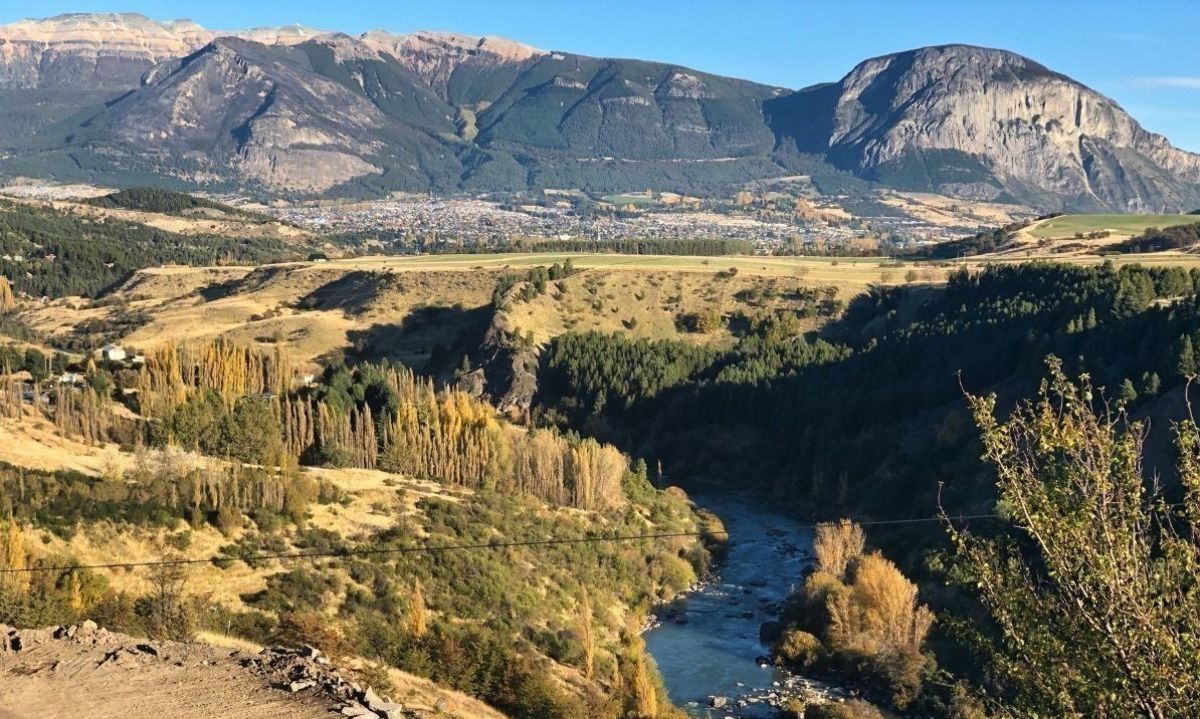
x: 70, y: 378
x: 113, y: 353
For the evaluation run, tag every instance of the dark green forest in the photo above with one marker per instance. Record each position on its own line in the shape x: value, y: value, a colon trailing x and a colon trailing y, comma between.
x: 65, y: 254
x: 1160, y: 240
x: 868, y: 415
x: 167, y: 202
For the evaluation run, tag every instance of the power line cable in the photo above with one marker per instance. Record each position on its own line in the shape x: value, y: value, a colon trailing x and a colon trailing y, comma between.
x: 436, y: 548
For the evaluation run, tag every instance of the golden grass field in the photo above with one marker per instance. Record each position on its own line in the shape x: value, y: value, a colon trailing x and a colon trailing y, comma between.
x: 414, y: 303
x: 407, y: 305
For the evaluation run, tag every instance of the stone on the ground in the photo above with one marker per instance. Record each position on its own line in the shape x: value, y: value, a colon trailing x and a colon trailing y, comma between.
x: 358, y: 711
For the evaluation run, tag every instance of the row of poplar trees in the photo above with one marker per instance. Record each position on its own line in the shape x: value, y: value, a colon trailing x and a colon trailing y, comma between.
x: 413, y: 427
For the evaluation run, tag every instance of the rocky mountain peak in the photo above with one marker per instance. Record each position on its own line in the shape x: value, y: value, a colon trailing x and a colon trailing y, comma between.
x: 284, y: 35
x: 238, y: 106
x: 90, y: 50
x: 435, y: 56
x: 453, y: 44
x: 1004, y: 123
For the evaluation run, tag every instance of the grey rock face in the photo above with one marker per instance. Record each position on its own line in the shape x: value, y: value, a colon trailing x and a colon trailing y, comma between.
x: 1006, y: 121
x: 234, y: 106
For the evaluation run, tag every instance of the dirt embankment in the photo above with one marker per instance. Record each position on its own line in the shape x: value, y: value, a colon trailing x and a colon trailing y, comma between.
x: 86, y: 671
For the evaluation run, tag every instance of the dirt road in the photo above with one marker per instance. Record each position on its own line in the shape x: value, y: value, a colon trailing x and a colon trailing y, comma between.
x: 86, y: 672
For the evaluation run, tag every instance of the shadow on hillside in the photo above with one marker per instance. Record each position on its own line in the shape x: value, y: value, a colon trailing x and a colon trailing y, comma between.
x: 351, y: 293
x: 431, y: 340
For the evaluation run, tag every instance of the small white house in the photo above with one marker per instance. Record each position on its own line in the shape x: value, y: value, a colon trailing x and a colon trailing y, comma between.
x: 113, y: 353
x: 71, y: 378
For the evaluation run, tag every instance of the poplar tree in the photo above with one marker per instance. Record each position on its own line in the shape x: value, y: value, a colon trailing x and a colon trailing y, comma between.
x: 417, y: 614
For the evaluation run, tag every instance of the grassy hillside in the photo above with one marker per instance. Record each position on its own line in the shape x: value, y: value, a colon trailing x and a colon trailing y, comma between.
x: 523, y: 599
x: 1065, y: 226
x: 406, y: 308
x: 546, y: 630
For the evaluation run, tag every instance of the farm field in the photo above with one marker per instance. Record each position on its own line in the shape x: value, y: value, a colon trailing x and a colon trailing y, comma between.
x: 845, y: 271
x: 629, y: 200
x: 1128, y: 225
x: 849, y: 269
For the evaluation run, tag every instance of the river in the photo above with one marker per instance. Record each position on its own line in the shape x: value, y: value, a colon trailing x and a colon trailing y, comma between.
x: 708, y: 644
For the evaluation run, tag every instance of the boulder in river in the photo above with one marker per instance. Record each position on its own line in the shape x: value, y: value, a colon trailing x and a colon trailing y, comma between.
x: 769, y: 632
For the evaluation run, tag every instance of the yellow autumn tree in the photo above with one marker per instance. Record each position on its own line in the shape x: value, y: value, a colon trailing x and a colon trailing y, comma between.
x: 863, y: 610
x: 644, y: 697
x: 587, y: 634
x: 8, y: 301
x: 835, y: 545
x: 418, y: 621
x: 13, y: 558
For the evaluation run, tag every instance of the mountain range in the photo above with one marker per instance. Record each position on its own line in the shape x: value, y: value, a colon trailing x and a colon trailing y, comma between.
x: 123, y: 99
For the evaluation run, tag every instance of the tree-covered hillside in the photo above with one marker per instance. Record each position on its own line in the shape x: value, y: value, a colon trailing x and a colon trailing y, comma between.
x: 870, y: 415
x: 45, y: 252
x: 870, y: 418
x: 167, y: 202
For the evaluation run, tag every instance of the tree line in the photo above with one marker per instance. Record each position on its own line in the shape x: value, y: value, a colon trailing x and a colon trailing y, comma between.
x: 230, y: 401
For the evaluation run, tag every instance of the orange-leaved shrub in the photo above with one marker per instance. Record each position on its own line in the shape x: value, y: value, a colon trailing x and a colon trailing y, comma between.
x: 865, y: 613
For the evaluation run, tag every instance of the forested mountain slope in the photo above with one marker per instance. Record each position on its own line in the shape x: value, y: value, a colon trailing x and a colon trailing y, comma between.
x: 381, y: 112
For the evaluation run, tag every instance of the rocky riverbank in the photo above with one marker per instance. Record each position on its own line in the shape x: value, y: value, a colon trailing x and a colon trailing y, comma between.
x: 712, y: 646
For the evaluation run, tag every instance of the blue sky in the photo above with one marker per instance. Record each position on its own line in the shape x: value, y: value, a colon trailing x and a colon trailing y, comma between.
x: 1144, y: 55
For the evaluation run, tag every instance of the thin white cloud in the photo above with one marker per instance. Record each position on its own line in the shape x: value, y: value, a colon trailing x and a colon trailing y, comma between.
x: 1173, y: 81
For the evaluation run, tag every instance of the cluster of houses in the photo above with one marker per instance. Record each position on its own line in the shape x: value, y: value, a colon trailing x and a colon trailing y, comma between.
x: 112, y: 354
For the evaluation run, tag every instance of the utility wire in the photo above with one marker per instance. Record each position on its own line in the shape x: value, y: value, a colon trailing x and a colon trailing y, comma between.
x: 436, y: 548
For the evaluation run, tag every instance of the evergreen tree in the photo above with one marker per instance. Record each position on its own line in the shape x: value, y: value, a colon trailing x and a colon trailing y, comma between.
x: 1127, y: 394
x: 1185, y: 357
x: 1151, y: 384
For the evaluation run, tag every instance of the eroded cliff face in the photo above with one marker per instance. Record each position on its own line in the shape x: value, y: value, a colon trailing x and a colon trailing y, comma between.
x: 233, y: 105
x: 1031, y: 128
x: 435, y: 56
x: 91, y: 51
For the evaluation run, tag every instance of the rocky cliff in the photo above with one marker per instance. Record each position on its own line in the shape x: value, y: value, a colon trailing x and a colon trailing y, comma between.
x: 977, y: 122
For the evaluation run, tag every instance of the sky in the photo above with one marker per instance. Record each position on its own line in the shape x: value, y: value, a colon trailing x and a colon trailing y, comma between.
x: 1141, y: 54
